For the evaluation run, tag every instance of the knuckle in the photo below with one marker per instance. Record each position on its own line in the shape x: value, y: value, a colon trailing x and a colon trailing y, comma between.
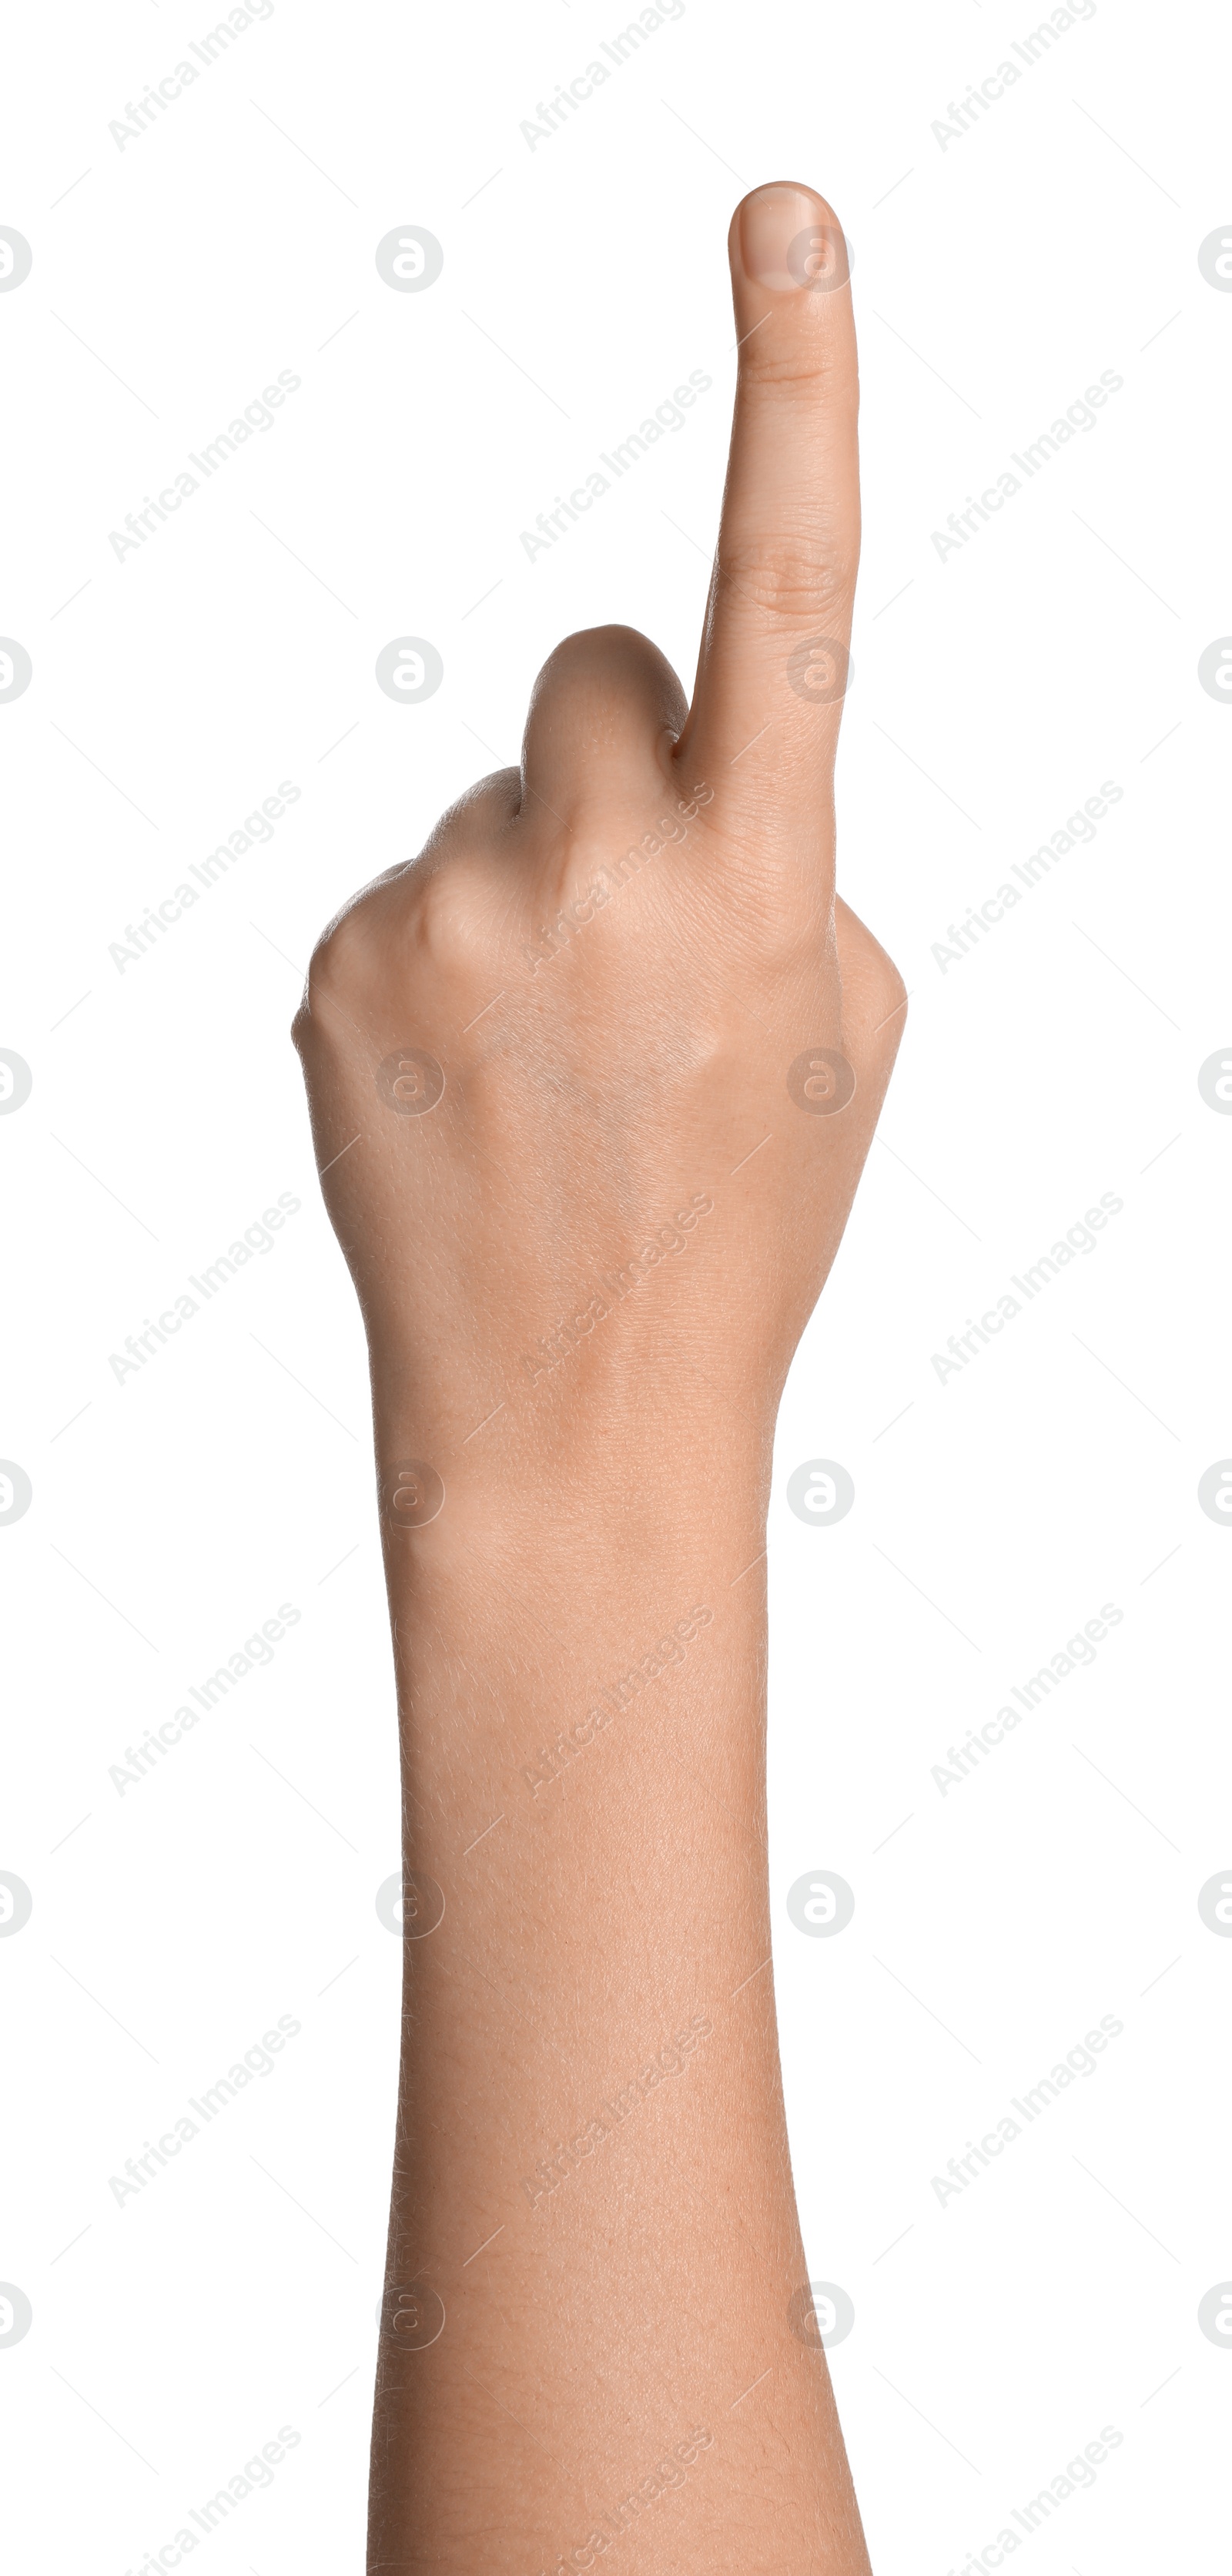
x: 448, y: 923
x: 421, y: 931
x: 815, y: 363
x: 891, y: 999
x: 874, y: 996
x: 342, y: 980
x: 339, y: 961
x: 807, y: 576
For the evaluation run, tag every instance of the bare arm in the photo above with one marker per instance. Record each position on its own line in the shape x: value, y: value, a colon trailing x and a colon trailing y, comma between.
x: 613, y: 1052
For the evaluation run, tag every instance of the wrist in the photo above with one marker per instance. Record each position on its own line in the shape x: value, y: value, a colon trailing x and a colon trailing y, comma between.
x: 655, y: 1464
x: 599, y: 1671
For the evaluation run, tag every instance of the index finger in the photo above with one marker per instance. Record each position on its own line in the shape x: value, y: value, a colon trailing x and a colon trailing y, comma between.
x: 774, y: 661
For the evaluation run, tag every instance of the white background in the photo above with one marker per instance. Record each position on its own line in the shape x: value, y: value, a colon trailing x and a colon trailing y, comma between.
x: 995, y: 1513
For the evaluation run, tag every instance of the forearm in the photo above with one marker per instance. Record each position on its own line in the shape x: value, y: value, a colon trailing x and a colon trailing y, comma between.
x: 588, y: 1211
x: 590, y: 2083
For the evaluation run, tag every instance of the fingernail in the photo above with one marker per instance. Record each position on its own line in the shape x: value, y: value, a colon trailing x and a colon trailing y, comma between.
x: 785, y: 242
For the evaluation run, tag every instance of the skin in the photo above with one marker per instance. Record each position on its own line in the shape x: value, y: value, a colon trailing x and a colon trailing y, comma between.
x: 563, y: 2332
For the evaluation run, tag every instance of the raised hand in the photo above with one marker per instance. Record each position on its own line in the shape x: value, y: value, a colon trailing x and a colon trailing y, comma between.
x: 592, y: 1082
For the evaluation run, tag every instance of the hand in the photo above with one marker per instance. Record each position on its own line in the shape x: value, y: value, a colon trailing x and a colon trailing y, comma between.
x: 624, y: 995
x: 592, y: 1082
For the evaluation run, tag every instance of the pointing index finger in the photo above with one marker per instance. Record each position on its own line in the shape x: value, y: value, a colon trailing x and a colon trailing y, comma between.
x: 774, y: 662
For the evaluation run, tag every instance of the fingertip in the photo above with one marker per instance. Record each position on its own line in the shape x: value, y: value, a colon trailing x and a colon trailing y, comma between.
x: 787, y: 237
